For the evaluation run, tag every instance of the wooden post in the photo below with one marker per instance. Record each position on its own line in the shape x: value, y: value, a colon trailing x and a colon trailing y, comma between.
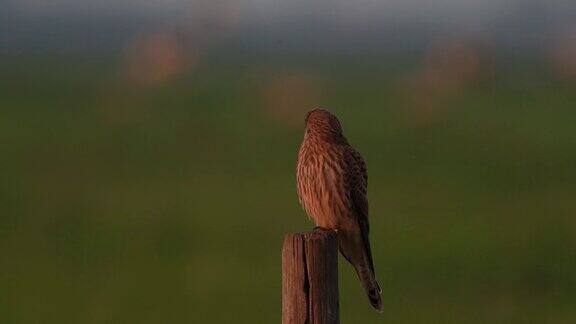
x: 310, y: 278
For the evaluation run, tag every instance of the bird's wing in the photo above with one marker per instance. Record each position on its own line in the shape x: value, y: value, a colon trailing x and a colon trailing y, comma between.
x: 358, y: 195
x: 359, y: 184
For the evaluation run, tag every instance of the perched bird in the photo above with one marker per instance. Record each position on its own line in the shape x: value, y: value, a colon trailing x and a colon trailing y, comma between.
x: 331, y: 180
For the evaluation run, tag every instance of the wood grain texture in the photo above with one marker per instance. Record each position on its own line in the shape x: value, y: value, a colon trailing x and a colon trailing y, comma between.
x: 310, y: 278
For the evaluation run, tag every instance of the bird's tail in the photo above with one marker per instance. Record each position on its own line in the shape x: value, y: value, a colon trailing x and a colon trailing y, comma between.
x: 371, y: 286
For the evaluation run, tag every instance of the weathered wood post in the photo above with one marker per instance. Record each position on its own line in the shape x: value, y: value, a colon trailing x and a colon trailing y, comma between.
x: 310, y: 278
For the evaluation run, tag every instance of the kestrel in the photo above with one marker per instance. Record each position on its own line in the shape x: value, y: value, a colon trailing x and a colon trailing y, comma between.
x: 331, y: 179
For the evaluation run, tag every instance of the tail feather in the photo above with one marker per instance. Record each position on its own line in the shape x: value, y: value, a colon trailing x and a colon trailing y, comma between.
x: 375, y: 299
x: 371, y: 286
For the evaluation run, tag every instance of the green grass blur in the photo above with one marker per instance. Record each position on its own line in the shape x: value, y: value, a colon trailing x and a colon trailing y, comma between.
x: 167, y: 202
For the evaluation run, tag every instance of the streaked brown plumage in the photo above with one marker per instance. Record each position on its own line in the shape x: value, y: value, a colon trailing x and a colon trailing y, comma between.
x: 332, y: 179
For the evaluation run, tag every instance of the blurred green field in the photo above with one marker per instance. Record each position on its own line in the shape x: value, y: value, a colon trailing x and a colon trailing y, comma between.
x: 168, y: 202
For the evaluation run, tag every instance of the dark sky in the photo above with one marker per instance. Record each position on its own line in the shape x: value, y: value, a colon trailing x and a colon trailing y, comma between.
x: 100, y: 25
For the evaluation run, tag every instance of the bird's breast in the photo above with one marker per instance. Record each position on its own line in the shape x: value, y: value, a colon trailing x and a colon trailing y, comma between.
x: 321, y: 189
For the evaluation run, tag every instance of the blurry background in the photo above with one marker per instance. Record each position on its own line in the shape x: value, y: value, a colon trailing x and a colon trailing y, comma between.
x: 148, y: 153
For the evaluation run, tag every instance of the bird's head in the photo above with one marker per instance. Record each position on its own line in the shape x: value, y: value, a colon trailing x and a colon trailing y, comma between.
x: 323, y: 124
